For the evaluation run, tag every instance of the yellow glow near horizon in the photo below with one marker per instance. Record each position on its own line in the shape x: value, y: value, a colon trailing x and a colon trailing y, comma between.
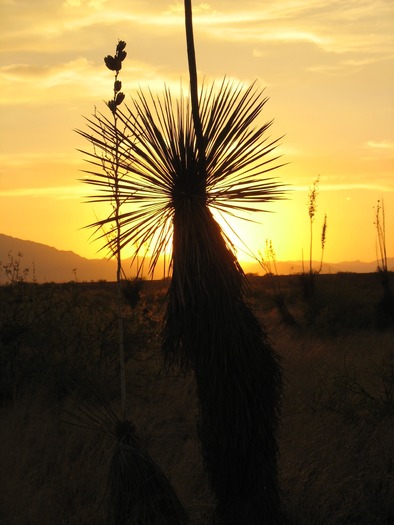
x: 329, y: 73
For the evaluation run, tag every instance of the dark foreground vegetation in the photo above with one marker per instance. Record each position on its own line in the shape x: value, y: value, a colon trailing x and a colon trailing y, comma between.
x: 58, y: 356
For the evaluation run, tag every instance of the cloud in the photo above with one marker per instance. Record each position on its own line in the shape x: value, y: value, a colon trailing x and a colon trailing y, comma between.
x: 32, y: 83
x: 15, y: 72
x: 77, y: 79
x: 179, y: 9
x: 56, y: 192
x: 96, y: 4
x: 72, y: 3
x: 336, y: 27
x: 25, y: 159
x: 367, y: 186
x: 381, y: 145
x: 381, y: 152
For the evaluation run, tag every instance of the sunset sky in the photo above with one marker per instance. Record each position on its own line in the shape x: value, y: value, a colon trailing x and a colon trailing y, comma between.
x: 327, y: 68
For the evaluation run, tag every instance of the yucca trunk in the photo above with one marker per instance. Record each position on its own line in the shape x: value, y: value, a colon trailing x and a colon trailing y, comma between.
x: 210, y: 327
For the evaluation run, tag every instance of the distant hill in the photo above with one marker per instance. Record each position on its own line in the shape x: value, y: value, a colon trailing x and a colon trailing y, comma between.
x: 47, y: 264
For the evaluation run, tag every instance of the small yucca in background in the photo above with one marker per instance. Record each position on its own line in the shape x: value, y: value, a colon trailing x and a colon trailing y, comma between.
x: 138, y: 492
x: 385, y: 308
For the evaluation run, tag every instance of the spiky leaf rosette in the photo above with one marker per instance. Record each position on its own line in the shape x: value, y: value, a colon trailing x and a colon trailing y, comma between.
x: 158, y: 164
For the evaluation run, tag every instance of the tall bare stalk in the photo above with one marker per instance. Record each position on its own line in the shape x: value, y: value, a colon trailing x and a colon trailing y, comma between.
x: 267, y: 261
x: 114, y: 63
x: 191, y: 55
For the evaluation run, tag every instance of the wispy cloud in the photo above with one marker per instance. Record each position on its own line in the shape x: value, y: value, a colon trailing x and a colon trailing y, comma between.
x: 55, y: 192
x: 367, y: 186
x: 72, y: 81
x: 381, y: 145
x: 96, y: 4
x: 50, y: 157
x: 337, y: 27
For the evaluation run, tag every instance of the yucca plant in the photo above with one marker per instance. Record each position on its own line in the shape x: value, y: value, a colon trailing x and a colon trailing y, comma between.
x: 312, y: 198
x: 267, y: 261
x: 385, y: 307
x: 323, y: 241
x: 181, y: 160
x: 308, y: 278
x: 139, y: 493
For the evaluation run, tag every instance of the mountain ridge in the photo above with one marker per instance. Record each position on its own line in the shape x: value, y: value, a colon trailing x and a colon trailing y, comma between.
x: 48, y: 264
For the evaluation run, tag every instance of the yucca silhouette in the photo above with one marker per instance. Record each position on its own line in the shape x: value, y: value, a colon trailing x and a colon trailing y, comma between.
x: 138, y: 491
x: 178, y: 161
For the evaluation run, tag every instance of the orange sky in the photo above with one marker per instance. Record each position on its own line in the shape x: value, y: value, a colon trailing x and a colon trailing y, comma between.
x: 328, y: 68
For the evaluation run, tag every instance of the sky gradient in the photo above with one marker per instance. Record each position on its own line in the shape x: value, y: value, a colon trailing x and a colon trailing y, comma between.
x: 327, y: 68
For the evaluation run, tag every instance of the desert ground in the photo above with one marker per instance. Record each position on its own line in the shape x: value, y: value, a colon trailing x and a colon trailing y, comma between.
x: 59, y: 371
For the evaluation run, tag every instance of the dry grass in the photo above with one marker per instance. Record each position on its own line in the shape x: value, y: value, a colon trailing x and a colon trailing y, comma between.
x: 336, y: 450
x: 51, y: 473
x: 337, y: 432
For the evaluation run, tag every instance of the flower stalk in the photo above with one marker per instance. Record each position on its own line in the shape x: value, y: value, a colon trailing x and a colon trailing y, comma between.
x: 114, y: 63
